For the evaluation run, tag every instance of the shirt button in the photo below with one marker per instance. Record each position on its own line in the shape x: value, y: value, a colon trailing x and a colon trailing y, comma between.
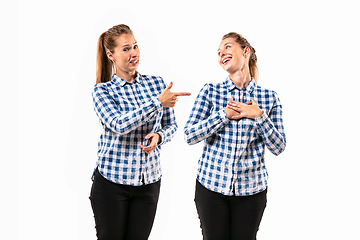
x: 244, y: 88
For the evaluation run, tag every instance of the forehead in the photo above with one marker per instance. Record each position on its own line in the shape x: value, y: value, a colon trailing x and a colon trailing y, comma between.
x: 227, y: 41
x: 125, y: 39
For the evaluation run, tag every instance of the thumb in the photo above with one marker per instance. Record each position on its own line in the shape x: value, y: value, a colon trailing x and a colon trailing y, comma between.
x: 170, y: 86
x: 253, y: 101
x: 150, y: 135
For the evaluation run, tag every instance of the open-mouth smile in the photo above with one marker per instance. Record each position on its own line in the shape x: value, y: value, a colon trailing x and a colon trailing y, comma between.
x: 226, y: 60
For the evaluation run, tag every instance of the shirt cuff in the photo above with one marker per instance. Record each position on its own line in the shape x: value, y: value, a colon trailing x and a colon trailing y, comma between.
x: 264, y: 125
x: 162, y: 138
x: 223, y: 116
x: 157, y: 102
x: 261, y: 119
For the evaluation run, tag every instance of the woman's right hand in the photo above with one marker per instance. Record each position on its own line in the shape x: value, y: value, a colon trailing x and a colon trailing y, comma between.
x: 168, y: 99
x: 231, y: 113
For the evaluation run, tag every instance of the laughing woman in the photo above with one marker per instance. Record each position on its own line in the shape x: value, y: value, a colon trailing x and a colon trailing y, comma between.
x: 236, y: 119
x: 136, y: 114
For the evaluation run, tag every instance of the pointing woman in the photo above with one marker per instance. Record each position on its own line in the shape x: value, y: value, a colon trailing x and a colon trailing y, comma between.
x: 236, y: 119
x: 136, y: 114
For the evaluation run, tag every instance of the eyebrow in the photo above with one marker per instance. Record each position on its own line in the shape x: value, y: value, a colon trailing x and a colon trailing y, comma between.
x: 224, y: 45
x: 128, y: 44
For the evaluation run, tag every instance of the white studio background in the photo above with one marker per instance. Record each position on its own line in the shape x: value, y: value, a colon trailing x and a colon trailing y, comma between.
x: 307, y: 51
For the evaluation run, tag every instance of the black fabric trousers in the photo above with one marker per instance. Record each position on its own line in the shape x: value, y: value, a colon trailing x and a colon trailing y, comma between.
x: 229, y: 217
x: 122, y: 211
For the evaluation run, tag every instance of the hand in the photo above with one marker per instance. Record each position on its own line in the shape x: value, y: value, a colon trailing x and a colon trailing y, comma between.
x: 230, y: 113
x: 245, y: 110
x: 168, y: 99
x: 154, y: 139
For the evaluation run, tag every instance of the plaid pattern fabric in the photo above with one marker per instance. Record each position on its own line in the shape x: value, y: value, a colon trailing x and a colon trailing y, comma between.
x: 233, y: 153
x: 128, y: 112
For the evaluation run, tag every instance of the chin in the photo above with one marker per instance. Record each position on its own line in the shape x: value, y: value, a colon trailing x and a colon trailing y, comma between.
x: 134, y: 68
x: 226, y: 68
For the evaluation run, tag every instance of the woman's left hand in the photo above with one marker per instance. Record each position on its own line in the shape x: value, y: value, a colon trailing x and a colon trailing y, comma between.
x: 154, y: 139
x: 246, y: 110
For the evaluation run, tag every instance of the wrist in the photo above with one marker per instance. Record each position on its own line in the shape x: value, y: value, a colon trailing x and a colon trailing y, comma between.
x: 159, y: 138
x: 260, y: 113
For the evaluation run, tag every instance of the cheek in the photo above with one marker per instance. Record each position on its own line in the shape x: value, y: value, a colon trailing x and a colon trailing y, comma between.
x: 219, y: 60
x: 121, y: 57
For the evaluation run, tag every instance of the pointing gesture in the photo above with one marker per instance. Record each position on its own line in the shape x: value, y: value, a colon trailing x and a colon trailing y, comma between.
x: 168, y: 99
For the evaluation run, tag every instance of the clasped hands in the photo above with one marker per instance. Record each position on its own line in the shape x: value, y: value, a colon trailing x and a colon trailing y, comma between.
x: 237, y: 110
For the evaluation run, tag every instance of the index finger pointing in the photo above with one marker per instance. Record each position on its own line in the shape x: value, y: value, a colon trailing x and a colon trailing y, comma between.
x: 181, y: 94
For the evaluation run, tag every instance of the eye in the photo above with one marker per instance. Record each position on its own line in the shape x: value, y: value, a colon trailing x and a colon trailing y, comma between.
x: 136, y: 46
x: 227, y: 47
x: 126, y: 49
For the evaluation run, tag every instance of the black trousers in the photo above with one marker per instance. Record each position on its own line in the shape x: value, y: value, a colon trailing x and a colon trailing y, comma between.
x: 229, y: 217
x: 122, y: 211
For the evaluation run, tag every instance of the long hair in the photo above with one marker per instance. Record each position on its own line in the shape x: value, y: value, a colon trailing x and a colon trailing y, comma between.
x: 107, y: 42
x: 244, y: 43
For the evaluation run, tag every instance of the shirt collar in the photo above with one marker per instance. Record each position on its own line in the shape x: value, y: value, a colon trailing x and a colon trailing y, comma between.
x: 231, y: 85
x: 123, y: 82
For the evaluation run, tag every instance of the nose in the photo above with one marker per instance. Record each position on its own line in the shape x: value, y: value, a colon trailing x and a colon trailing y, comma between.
x: 134, y: 52
x: 221, y: 54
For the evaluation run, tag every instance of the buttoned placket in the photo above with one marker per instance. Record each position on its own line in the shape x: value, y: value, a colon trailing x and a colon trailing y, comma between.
x: 239, y: 96
x: 136, y: 94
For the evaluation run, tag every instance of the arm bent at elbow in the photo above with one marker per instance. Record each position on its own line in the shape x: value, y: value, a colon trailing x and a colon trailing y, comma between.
x: 122, y: 121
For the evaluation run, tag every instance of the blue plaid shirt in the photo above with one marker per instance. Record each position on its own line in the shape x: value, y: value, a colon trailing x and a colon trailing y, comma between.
x: 233, y: 155
x: 128, y: 112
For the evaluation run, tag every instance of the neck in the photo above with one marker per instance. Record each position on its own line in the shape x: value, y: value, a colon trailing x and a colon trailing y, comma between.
x: 240, y: 79
x: 127, y: 76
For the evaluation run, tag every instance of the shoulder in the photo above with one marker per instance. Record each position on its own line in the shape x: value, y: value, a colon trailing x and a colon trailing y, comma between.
x: 213, y: 87
x: 154, y: 82
x: 267, y: 94
x: 151, y: 78
x: 105, y: 85
x: 101, y: 87
x: 265, y: 90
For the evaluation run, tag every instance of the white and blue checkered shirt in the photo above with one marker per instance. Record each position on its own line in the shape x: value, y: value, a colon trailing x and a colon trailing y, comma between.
x: 128, y: 112
x: 233, y: 155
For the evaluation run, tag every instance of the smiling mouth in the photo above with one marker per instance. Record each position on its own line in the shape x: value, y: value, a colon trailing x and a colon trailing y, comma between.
x: 226, y: 60
x: 134, y: 62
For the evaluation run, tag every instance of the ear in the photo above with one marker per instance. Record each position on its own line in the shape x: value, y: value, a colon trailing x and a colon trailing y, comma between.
x: 247, y: 51
x: 109, y: 55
